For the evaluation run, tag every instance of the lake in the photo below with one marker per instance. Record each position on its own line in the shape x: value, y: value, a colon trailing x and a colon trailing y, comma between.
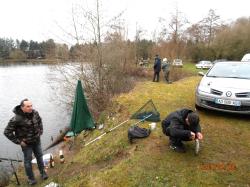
x: 29, y: 81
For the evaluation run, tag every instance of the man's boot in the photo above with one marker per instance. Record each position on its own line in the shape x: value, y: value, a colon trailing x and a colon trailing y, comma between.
x: 44, y: 175
x: 32, y: 181
x: 176, y: 145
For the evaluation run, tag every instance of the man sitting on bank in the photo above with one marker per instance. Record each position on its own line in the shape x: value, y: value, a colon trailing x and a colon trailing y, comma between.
x: 181, y: 125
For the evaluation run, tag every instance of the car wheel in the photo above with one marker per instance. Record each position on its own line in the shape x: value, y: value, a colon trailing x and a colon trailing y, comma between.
x: 198, y: 107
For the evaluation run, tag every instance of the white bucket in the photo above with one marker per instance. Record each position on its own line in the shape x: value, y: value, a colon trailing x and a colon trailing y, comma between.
x: 152, y: 126
x: 46, y: 158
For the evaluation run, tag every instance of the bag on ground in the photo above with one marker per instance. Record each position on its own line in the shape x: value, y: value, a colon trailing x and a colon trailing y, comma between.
x: 135, y: 132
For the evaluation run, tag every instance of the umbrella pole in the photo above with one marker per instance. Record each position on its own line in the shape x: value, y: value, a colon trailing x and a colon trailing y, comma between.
x: 14, y: 171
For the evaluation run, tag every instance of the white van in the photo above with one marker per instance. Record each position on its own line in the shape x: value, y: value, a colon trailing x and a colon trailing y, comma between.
x: 246, y: 58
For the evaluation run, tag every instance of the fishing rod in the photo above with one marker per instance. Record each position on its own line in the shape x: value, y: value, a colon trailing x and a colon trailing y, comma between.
x: 99, y: 137
x: 58, y: 139
x: 8, y: 159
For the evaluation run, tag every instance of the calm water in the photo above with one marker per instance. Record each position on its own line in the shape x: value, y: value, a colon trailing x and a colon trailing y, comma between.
x: 29, y: 81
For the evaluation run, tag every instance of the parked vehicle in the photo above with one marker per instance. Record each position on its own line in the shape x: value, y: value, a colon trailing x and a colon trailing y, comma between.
x: 143, y: 63
x: 246, y: 58
x: 177, y: 63
x: 204, y: 64
x: 225, y: 87
x: 219, y: 60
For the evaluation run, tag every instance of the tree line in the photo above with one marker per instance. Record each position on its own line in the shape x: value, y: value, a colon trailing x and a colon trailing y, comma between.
x: 208, y: 39
x: 23, y: 50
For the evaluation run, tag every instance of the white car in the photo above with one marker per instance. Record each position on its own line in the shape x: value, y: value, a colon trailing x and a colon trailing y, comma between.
x: 225, y: 87
x: 246, y: 58
x: 204, y: 64
x: 177, y: 63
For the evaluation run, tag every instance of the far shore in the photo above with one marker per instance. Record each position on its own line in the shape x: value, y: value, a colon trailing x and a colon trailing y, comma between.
x: 29, y: 61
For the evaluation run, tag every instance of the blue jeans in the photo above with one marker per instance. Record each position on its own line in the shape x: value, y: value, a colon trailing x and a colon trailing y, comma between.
x: 27, y: 153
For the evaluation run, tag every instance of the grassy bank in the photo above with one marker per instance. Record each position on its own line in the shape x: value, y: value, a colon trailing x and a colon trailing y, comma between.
x: 190, y: 67
x: 111, y: 161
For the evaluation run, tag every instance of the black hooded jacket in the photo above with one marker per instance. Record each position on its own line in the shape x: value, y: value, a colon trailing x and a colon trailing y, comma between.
x: 175, y: 124
x: 25, y: 127
x: 157, y: 65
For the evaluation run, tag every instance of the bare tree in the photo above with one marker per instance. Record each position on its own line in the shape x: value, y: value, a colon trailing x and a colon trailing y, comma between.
x: 138, y: 35
x: 176, y: 25
x: 102, y: 57
x: 195, y: 34
x: 210, y: 25
x: 174, y: 32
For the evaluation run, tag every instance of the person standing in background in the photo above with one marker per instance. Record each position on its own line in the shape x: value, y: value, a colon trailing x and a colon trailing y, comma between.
x: 157, y: 68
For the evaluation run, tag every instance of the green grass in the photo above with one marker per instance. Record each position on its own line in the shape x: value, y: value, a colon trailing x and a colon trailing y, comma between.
x: 190, y: 67
x: 111, y: 161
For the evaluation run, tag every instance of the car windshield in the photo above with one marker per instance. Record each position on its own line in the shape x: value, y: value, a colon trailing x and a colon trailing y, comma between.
x: 230, y: 70
x: 177, y: 60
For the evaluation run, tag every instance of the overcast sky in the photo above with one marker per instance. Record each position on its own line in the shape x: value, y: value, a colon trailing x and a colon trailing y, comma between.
x: 43, y: 19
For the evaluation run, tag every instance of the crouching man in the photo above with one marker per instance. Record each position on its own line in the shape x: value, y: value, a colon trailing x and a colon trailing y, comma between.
x: 25, y: 129
x: 181, y: 125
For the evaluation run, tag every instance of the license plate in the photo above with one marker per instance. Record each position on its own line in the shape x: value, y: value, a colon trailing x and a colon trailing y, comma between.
x: 227, y: 102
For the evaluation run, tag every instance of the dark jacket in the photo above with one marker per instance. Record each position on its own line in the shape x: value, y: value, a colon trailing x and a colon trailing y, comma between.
x: 25, y: 127
x: 157, y: 64
x: 175, y: 124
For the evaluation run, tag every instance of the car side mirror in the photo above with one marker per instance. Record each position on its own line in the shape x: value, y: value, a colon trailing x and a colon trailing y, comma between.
x: 200, y: 73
